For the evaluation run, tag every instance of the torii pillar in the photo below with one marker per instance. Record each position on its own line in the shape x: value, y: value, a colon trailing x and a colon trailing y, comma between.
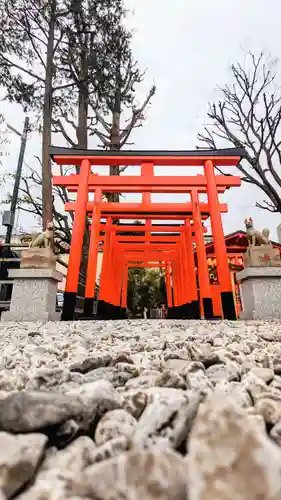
x: 224, y: 278
x: 202, y: 266
x: 75, y: 254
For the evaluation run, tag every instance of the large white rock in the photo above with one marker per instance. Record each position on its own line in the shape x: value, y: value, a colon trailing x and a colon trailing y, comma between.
x: 269, y: 406
x: 100, y: 394
x: 30, y: 411
x: 59, y: 470
x: 143, y: 475
x: 166, y: 420
x: 19, y: 457
x: 230, y: 457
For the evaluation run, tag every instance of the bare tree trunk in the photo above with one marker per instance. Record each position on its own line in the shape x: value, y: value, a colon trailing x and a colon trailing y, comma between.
x: 82, y: 129
x: 82, y: 143
x: 115, y: 139
x: 47, y: 123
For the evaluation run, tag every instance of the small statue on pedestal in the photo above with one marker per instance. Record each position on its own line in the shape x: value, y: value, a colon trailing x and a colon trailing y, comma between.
x: 256, y: 238
x: 36, y: 282
x: 44, y: 239
x: 260, y: 252
x: 40, y: 253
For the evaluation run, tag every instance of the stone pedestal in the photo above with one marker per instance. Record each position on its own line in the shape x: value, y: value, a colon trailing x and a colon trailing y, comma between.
x: 261, y: 293
x: 262, y: 256
x: 38, y: 258
x: 34, y: 295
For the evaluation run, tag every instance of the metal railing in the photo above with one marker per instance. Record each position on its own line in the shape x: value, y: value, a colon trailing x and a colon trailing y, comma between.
x: 10, y: 260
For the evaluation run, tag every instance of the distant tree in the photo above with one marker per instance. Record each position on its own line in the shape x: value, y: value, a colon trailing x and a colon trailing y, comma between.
x: 145, y: 289
x: 249, y: 115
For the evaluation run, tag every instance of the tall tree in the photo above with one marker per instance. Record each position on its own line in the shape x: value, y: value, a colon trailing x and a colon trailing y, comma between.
x: 50, y: 52
x: 30, y: 34
x: 109, y: 95
x: 85, y: 59
x: 249, y: 115
x: 122, y: 113
x: 89, y: 106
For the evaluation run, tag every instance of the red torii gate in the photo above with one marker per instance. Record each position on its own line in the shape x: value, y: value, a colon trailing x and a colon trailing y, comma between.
x: 147, y: 183
x: 151, y: 250
x: 108, y: 307
x: 105, y: 306
x: 152, y: 241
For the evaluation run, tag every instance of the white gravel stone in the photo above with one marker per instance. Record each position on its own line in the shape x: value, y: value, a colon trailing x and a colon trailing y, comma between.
x: 113, y: 424
x: 135, y: 385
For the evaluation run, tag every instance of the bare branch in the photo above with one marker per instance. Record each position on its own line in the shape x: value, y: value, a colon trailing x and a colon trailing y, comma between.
x: 10, y: 64
x: 249, y: 116
x: 60, y: 128
x: 102, y: 121
x: 265, y: 205
x: 137, y: 116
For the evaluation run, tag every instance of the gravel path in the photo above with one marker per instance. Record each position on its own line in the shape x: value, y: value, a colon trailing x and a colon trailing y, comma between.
x: 138, y: 410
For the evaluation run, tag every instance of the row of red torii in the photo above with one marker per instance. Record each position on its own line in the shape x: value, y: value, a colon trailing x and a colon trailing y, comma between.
x: 178, y: 248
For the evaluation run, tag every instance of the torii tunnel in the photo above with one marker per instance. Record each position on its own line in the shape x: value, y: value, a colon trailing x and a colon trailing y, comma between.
x: 179, y: 248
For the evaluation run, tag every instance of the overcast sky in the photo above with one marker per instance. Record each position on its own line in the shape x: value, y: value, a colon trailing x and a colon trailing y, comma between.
x: 187, y: 47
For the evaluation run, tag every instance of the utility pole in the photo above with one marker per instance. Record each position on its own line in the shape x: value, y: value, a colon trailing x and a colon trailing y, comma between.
x: 10, y: 223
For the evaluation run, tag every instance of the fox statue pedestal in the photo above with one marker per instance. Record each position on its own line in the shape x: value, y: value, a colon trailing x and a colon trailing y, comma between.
x: 262, y: 256
x: 34, y: 287
x: 260, y: 283
x: 38, y: 258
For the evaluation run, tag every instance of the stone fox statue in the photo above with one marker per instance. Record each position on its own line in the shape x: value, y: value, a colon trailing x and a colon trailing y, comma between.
x: 256, y: 238
x: 44, y: 239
